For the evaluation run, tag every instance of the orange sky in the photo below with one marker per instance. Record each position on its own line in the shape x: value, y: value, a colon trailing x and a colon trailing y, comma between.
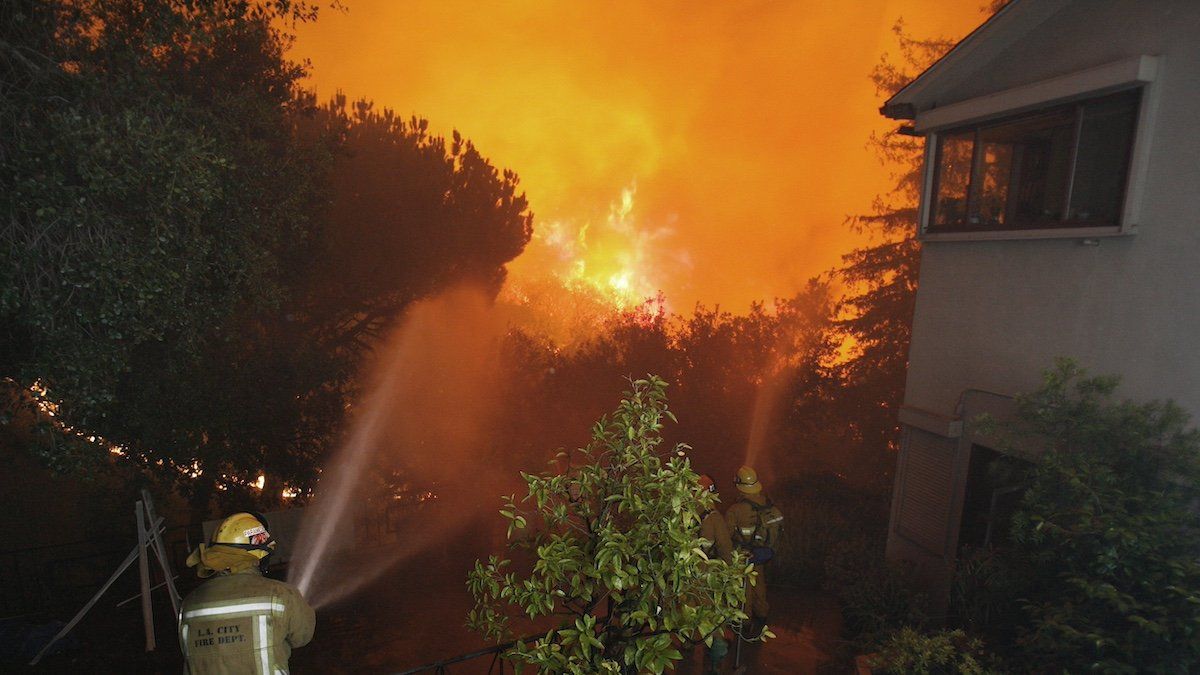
x: 710, y: 149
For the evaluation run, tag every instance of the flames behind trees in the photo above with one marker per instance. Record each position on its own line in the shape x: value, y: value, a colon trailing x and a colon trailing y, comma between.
x: 368, y: 212
x: 741, y: 125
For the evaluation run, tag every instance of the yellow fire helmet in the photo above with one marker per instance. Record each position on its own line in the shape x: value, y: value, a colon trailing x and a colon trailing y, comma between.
x: 239, y: 542
x: 747, y: 481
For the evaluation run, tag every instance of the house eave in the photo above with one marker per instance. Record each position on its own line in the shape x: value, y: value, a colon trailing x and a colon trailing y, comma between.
x: 971, y: 53
x: 899, y: 111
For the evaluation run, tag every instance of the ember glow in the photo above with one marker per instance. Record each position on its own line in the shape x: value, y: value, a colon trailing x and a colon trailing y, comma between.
x: 743, y: 125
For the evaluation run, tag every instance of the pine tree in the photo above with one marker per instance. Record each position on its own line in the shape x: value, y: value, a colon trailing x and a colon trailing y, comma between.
x: 882, y: 277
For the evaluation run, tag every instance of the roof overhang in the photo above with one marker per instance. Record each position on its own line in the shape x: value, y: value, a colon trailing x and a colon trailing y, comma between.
x: 971, y: 53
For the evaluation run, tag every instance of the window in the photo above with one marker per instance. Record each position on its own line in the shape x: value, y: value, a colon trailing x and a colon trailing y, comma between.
x: 995, y: 485
x: 1062, y: 167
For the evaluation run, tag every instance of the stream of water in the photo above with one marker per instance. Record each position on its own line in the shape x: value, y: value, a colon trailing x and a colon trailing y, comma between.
x: 421, y: 429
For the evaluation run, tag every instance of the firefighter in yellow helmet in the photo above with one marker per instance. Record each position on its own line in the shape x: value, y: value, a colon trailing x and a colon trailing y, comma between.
x: 754, y: 524
x: 239, y: 621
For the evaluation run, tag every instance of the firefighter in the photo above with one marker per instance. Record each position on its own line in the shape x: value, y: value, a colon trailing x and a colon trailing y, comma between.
x: 754, y: 524
x: 239, y: 621
x: 713, y: 527
x: 716, y: 532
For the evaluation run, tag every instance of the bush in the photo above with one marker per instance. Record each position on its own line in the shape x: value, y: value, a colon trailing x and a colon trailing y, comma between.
x: 615, y: 533
x: 877, y: 597
x: 1107, y: 530
x: 910, y: 651
x: 985, y: 592
x: 821, y: 511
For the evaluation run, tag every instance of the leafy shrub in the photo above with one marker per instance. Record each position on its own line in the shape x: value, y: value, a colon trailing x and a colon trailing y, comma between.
x: 911, y: 651
x: 1107, y: 529
x: 877, y: 597
x: 617, y: 554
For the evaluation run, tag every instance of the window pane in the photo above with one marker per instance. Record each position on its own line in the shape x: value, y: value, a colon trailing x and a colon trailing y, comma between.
x: 953, y: 178
x: 1102, y: 163
x: 1025, y: 183
x: 994, y: 176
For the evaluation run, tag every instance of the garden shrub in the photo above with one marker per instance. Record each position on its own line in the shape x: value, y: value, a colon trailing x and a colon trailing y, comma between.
x: 909, y: 651
x: 877, y: 597
x: 1106, y: 534
x: 984, y: 594
x: 822, y: 511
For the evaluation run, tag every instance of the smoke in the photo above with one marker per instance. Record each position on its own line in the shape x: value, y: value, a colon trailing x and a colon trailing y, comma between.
x: 416, y: 454
x: 743, y: 122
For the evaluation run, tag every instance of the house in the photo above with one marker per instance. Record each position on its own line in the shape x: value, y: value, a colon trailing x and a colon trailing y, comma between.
x: 1060, y: 216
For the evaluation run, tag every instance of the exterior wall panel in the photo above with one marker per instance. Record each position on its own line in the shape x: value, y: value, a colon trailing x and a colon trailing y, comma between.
x: 925, y: 493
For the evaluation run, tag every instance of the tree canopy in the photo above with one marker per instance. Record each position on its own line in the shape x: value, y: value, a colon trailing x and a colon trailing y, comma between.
x: 881, y: 278
x: 615, y: 538
x: 196, y: 255
x: 148, y: 184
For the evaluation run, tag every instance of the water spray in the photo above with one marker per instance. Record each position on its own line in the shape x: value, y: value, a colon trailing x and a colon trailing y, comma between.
x: 425, y: 419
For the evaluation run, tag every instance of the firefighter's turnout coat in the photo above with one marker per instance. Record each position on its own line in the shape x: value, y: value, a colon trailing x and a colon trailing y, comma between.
x: 243, y: 623
x: 714, y: 529
x: 754, y: 522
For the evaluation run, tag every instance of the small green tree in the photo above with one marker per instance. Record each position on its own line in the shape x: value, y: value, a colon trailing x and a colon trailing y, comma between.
x: 1107, y: 530
x: 617, y: 550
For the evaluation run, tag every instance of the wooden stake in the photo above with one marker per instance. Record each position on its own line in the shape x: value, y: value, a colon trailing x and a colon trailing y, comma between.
x: 144, y: 575
x: 133, y: 555
x: 160, y: 551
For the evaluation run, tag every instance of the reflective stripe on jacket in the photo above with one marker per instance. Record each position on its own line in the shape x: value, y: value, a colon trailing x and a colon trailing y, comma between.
x: 243, y: 623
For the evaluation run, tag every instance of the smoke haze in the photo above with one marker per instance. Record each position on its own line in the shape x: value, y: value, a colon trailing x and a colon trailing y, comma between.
x: 742, y: 124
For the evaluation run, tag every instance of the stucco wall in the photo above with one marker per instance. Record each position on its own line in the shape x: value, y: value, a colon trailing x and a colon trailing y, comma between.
x: 994, y: 314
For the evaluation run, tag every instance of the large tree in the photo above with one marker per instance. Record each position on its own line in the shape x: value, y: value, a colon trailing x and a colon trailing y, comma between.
x: 409, y: 213
x: 150, y: 185
x: 196, y: 255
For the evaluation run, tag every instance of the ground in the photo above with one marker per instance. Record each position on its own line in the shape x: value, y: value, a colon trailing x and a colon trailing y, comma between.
x: 414, y: 615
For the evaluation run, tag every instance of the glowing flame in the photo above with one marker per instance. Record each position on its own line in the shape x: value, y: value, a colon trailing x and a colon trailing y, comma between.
x: 618, y: 260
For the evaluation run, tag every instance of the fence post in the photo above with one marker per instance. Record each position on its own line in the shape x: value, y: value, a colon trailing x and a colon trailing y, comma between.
x: 144, y: 576
x: 160, y: 550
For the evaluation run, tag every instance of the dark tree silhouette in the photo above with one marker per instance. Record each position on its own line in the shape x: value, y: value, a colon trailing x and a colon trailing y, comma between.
x: 410, y: 212
x: 196, y: 256
x: 882, y: 278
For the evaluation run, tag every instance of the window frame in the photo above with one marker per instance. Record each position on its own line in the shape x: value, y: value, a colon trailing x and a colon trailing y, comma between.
x: 1076, y: 88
